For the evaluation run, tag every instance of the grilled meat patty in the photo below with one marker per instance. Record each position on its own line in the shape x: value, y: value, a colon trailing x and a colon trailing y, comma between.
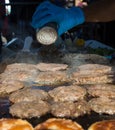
x: 93, y: 74
x: 63, y: 109
x: 9, y: 86
x: 68, y: 93
x: 70, y: 109
x: 102, y: 90
x: 51, y: 78
x: 102, y: 105
x: 51, y: 66
x: 29, y: 109
x: 28, y: 94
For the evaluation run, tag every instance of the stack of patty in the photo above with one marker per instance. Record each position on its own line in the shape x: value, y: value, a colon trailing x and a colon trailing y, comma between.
x: 103, y: 98
x: 93, y: 74
x: 41, y: 74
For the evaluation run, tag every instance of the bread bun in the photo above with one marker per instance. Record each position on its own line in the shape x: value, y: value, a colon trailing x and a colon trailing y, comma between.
x: 103, y: 125
x: 58, y: 124
x: 15, y: 124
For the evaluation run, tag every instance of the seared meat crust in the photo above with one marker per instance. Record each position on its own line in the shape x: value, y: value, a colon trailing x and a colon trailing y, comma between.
x: 9, y: 86
x: 70, y: 109
x: 102, y: 105
x: 26, y: 109
x: 51, y: 66
x: 67, y: 93
x: 63, y: 109
x: 29, y: 94
x: 51, y: 78
x: 102, y: 90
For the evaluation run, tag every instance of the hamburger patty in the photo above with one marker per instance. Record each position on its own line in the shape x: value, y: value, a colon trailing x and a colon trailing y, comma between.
x: 102, y: 90
x: 27, y: 109
x: 63, y: 109
x: 93, y: 69
x: 68, y: 93
x: 51, y: 78
x: 93, y: 74
x: 20, y: 71
x: 29, y: 94
x: 82, y: 108
x: 51, y: 66
x: 20, y: 67
x: 93, y: 79
x: 102, y: 105
x: 70, y: 109
x: 9, y: 86
x: 25, y: 76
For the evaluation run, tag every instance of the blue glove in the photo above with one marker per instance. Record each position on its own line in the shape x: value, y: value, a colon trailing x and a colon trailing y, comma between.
x: 65, y: 18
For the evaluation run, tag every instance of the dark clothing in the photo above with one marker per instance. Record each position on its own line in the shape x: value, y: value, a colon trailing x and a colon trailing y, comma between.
x: 23, y: 9
x: 0, y: 45
x: 2, y: 9
x: 2, y: 16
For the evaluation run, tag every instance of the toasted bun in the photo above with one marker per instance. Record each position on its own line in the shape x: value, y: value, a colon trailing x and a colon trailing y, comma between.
x: 103, y: 125
x: 15, y: 124
x: 58, y: 124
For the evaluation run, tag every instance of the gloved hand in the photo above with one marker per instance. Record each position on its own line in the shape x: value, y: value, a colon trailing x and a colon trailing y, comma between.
x: 65, y: 18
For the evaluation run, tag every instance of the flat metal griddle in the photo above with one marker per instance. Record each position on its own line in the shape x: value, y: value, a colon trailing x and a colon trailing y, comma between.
x: 85, y: 120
